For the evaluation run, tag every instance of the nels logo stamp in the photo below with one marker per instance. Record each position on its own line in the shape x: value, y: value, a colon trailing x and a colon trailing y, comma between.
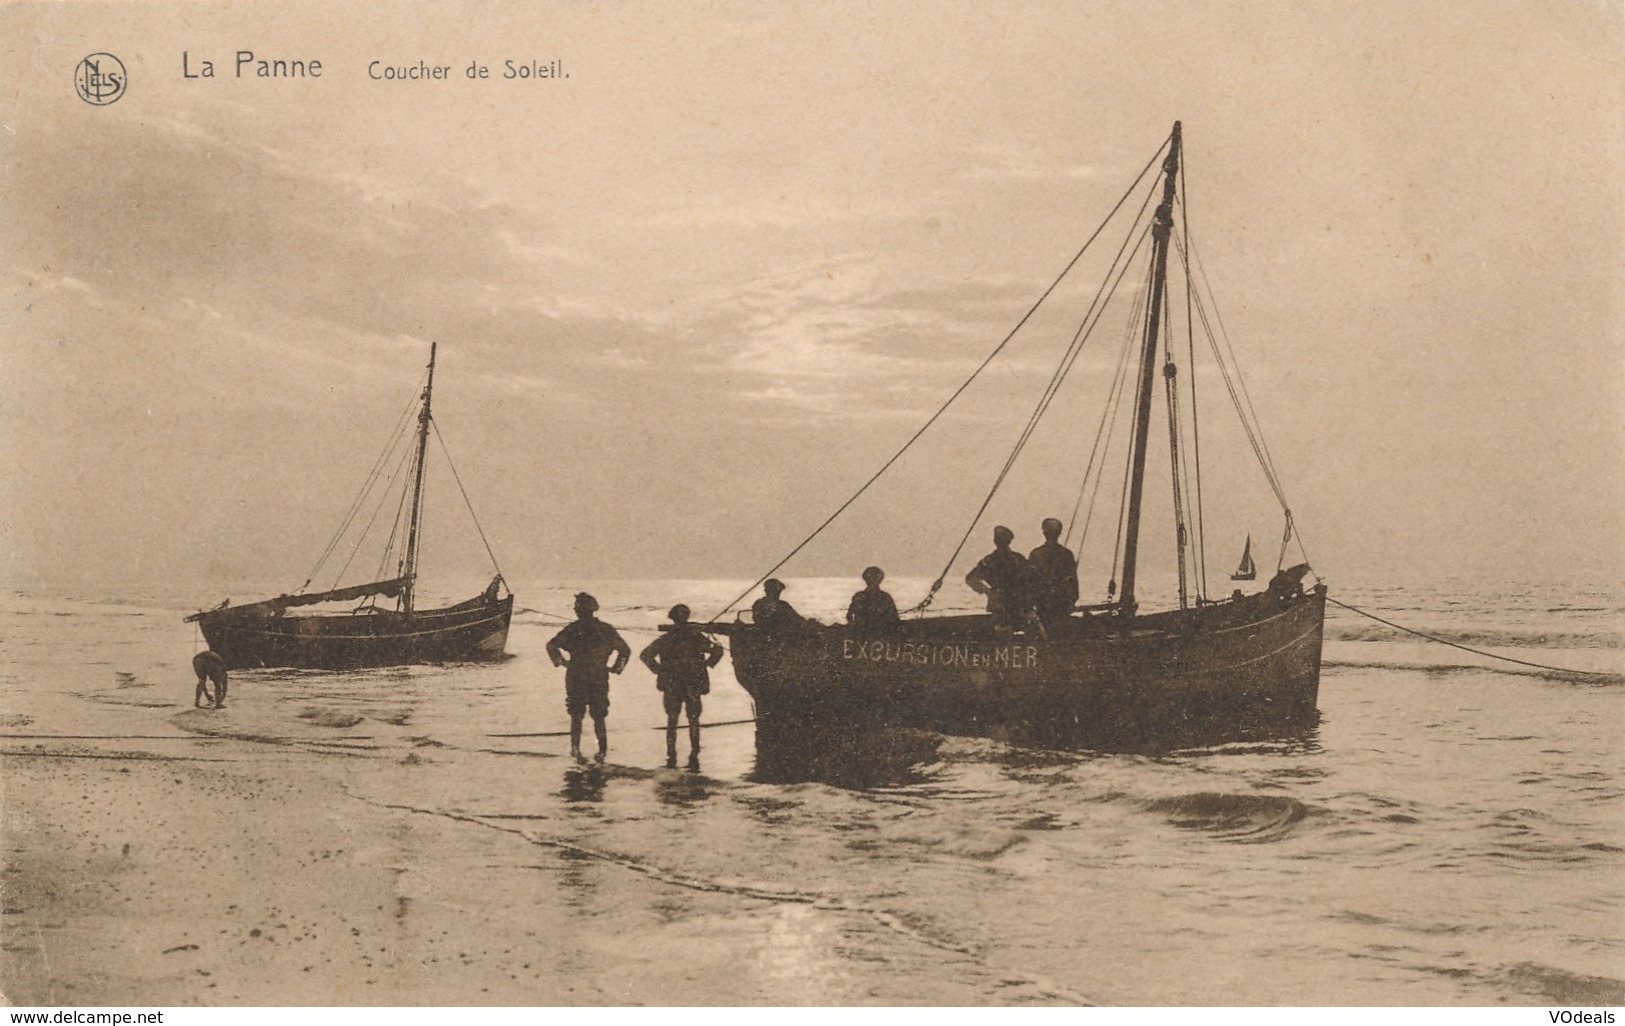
x: 100, y: 79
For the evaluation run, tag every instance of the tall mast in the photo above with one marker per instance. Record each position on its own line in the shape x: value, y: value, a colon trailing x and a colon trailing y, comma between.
x: 1160, y: 232
x: 417, y: 490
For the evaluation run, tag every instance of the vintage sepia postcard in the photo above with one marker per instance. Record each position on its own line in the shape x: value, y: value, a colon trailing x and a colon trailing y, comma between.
x: 812, y: 504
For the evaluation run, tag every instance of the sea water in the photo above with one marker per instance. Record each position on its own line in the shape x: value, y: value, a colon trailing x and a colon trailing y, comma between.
x: 1451, y: 832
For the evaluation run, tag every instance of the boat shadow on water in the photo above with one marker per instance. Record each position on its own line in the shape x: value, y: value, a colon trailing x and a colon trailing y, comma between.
x: 860, y: 755
x: 846, y: 755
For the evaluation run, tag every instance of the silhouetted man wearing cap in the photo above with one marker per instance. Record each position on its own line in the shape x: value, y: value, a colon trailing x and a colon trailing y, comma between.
x: 1054, y: 577
x: 772, y: 613
x: 872, y: 609
x: 589, y: 642
x: 1004, y: 577
x: 681, y: 660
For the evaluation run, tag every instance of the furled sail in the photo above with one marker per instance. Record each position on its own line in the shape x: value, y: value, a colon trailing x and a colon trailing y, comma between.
x: 391, y: 588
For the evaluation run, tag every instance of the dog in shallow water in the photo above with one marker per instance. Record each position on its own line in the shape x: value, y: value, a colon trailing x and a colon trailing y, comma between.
x: 209, y: 668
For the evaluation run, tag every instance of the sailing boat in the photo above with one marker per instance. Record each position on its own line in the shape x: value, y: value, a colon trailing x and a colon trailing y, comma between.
x: 1247, y: 571
x: 263, y: 634
x: 1106, y: 675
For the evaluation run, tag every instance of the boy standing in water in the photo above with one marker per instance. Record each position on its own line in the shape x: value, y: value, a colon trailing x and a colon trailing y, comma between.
x: 681, y: 660
x: 589, y: 642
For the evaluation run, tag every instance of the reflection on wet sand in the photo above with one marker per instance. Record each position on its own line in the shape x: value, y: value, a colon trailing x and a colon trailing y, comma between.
x: 575, y: 883
x: 681, y: 788
x: 583, y: 783
x: 803, y: 955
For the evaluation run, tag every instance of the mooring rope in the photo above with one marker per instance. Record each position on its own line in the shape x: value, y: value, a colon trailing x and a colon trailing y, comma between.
x: 566, y: 733
x: 1467, y: 648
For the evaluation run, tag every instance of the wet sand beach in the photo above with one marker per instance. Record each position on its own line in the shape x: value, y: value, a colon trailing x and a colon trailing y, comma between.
x: 419, y: 835
x: 224, y: 876
x: 326, y: 840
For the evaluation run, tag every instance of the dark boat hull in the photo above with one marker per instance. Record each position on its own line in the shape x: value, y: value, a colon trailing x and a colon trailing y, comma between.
x: 1236, y: 670
x: 476, y: 630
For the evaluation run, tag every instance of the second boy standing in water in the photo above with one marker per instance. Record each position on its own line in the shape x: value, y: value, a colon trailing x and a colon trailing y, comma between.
x: 681, y: 660
x: 589, y: 642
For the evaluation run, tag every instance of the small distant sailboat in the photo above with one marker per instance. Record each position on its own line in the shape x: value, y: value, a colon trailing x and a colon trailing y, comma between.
x: 1246, y: 571
x: 262, y: 633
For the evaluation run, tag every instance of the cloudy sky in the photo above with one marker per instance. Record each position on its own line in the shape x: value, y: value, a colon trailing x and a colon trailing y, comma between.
x: 691, y: 296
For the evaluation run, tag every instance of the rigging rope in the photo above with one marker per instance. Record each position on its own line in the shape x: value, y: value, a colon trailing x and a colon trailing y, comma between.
x: 1134, y: 329
x: 956, y: 394
x: 1120, y: 544
x: 1466, y: 648
x: 1106, y: 429
x: 1245, y: 411
x: 1242, y: 400
x: 1190, y: 533
x: 1198, y: 573
x: 1196, y: 431
x: 392, y: 442
x: 1096, y: 310
x: 395, y: 529
x: 1243, y: 407
x: 446, y: 452
x: 1286, y: 539
x: 383, y: 497
x: 1170, y: 377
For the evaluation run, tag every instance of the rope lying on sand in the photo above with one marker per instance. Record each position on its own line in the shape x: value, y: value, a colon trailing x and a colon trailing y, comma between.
x: 1475, y: 651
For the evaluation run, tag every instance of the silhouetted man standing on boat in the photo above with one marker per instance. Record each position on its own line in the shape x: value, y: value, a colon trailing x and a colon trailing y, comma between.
x: 589, y: 642
x: 772, y: 613
x: 872, y: 609
x: 1004, y: 577
x: 1055, y: 577
x: 681, y: 660
x: 209, y: 667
